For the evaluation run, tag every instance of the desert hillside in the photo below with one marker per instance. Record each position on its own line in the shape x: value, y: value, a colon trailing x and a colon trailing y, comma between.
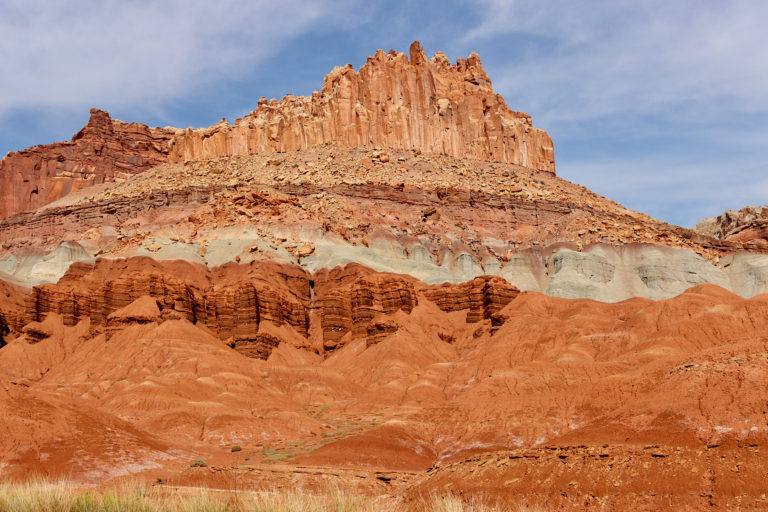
x: 382, y: 287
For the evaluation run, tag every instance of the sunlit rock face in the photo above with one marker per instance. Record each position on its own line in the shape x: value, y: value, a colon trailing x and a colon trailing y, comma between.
x: 392, y: 101
x: 105, y: 150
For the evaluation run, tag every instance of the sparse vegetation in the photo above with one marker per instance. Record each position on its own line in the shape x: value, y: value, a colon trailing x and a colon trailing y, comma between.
x: 236, y: 448
x: 338, y: 424
x: 197, y: 463
x: 45, y: 496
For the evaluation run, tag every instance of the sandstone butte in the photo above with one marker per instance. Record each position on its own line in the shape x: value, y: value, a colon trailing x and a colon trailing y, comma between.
x: 392, y: 101
x: 385, y: 289
x: 429, y: 105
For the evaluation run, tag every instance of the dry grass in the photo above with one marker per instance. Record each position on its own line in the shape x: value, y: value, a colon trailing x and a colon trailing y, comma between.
x: 42, y: 496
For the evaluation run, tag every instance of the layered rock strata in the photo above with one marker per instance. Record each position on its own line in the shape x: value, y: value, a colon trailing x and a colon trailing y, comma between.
x: 11, y: 310
x: 243, y: 307
x: 483, y: 296
x: 351, y: 307
x: 395, y: 101
x: 392, y: 101
x: 229, y: 307
x: 105, y: 150
x: 435, y: 218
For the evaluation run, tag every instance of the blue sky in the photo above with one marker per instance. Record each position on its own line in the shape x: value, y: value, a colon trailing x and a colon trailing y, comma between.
x: 661, y: 106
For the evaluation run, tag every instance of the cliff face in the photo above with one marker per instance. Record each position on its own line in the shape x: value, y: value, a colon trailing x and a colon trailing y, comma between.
x: 483, y: 296
x: 349, y: 302
x: 229, y: 308
x: 104, y: 150
x: 391, y: 101
x: 11, y: 310
x: 235, y: 301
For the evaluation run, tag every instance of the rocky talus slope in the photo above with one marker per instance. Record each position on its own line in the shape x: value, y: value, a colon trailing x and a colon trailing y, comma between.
x: 436, y: 218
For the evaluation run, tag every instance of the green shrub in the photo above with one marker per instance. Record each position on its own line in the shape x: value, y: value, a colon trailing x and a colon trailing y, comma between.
x: 197, y: 463
x: 236, y: 448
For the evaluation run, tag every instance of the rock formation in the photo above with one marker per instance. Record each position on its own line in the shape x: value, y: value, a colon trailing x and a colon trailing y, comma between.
x: 105, y: 150
x: 11, y: 310
x: 387, y: 284
x: 351, y: 307
x: 97, y: 291
x: 653, y: 396
x: 352, y: 302
x: 392, y: 101
x: 482, y: 297
x: 435, y: 218
x: 748, y: 225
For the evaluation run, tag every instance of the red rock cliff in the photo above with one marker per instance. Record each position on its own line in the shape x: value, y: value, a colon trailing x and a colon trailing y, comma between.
x: 391, y: 101
x: 104, y: 150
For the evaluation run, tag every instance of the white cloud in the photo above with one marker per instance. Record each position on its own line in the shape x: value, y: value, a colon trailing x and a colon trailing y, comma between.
x: 603, y: 58
x: 82, y: 53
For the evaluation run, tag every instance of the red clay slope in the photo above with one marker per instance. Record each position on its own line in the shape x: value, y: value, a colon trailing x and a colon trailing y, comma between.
x: 402, y: 377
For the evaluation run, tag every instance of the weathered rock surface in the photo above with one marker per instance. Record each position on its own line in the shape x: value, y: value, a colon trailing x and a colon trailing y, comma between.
x: 482, y: 297
x: 105, y: 150
x: 11, y: 310
x: 376, y: 310
x: 395, y: 100
x: 102, y: 291
x: 748, y: 225
x: 435, y: 218
x: 351, y: 302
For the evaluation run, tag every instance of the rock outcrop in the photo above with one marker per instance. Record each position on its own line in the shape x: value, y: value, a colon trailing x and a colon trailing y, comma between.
x: 438, y: 219
x: 259, y: 346
x: 375, y: 311
x: 393, y: 101
x: 349, y: 298
x: 346, y: 303
x: 11, y: 310
x: 748, y: 225
x: 104, y: 150
x: 561, y: 386
x: 482, y: 297
x: 97, y: 291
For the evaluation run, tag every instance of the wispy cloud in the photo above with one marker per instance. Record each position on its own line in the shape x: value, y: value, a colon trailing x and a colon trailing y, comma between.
x: 594, y: 59
x: 81, y: 53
